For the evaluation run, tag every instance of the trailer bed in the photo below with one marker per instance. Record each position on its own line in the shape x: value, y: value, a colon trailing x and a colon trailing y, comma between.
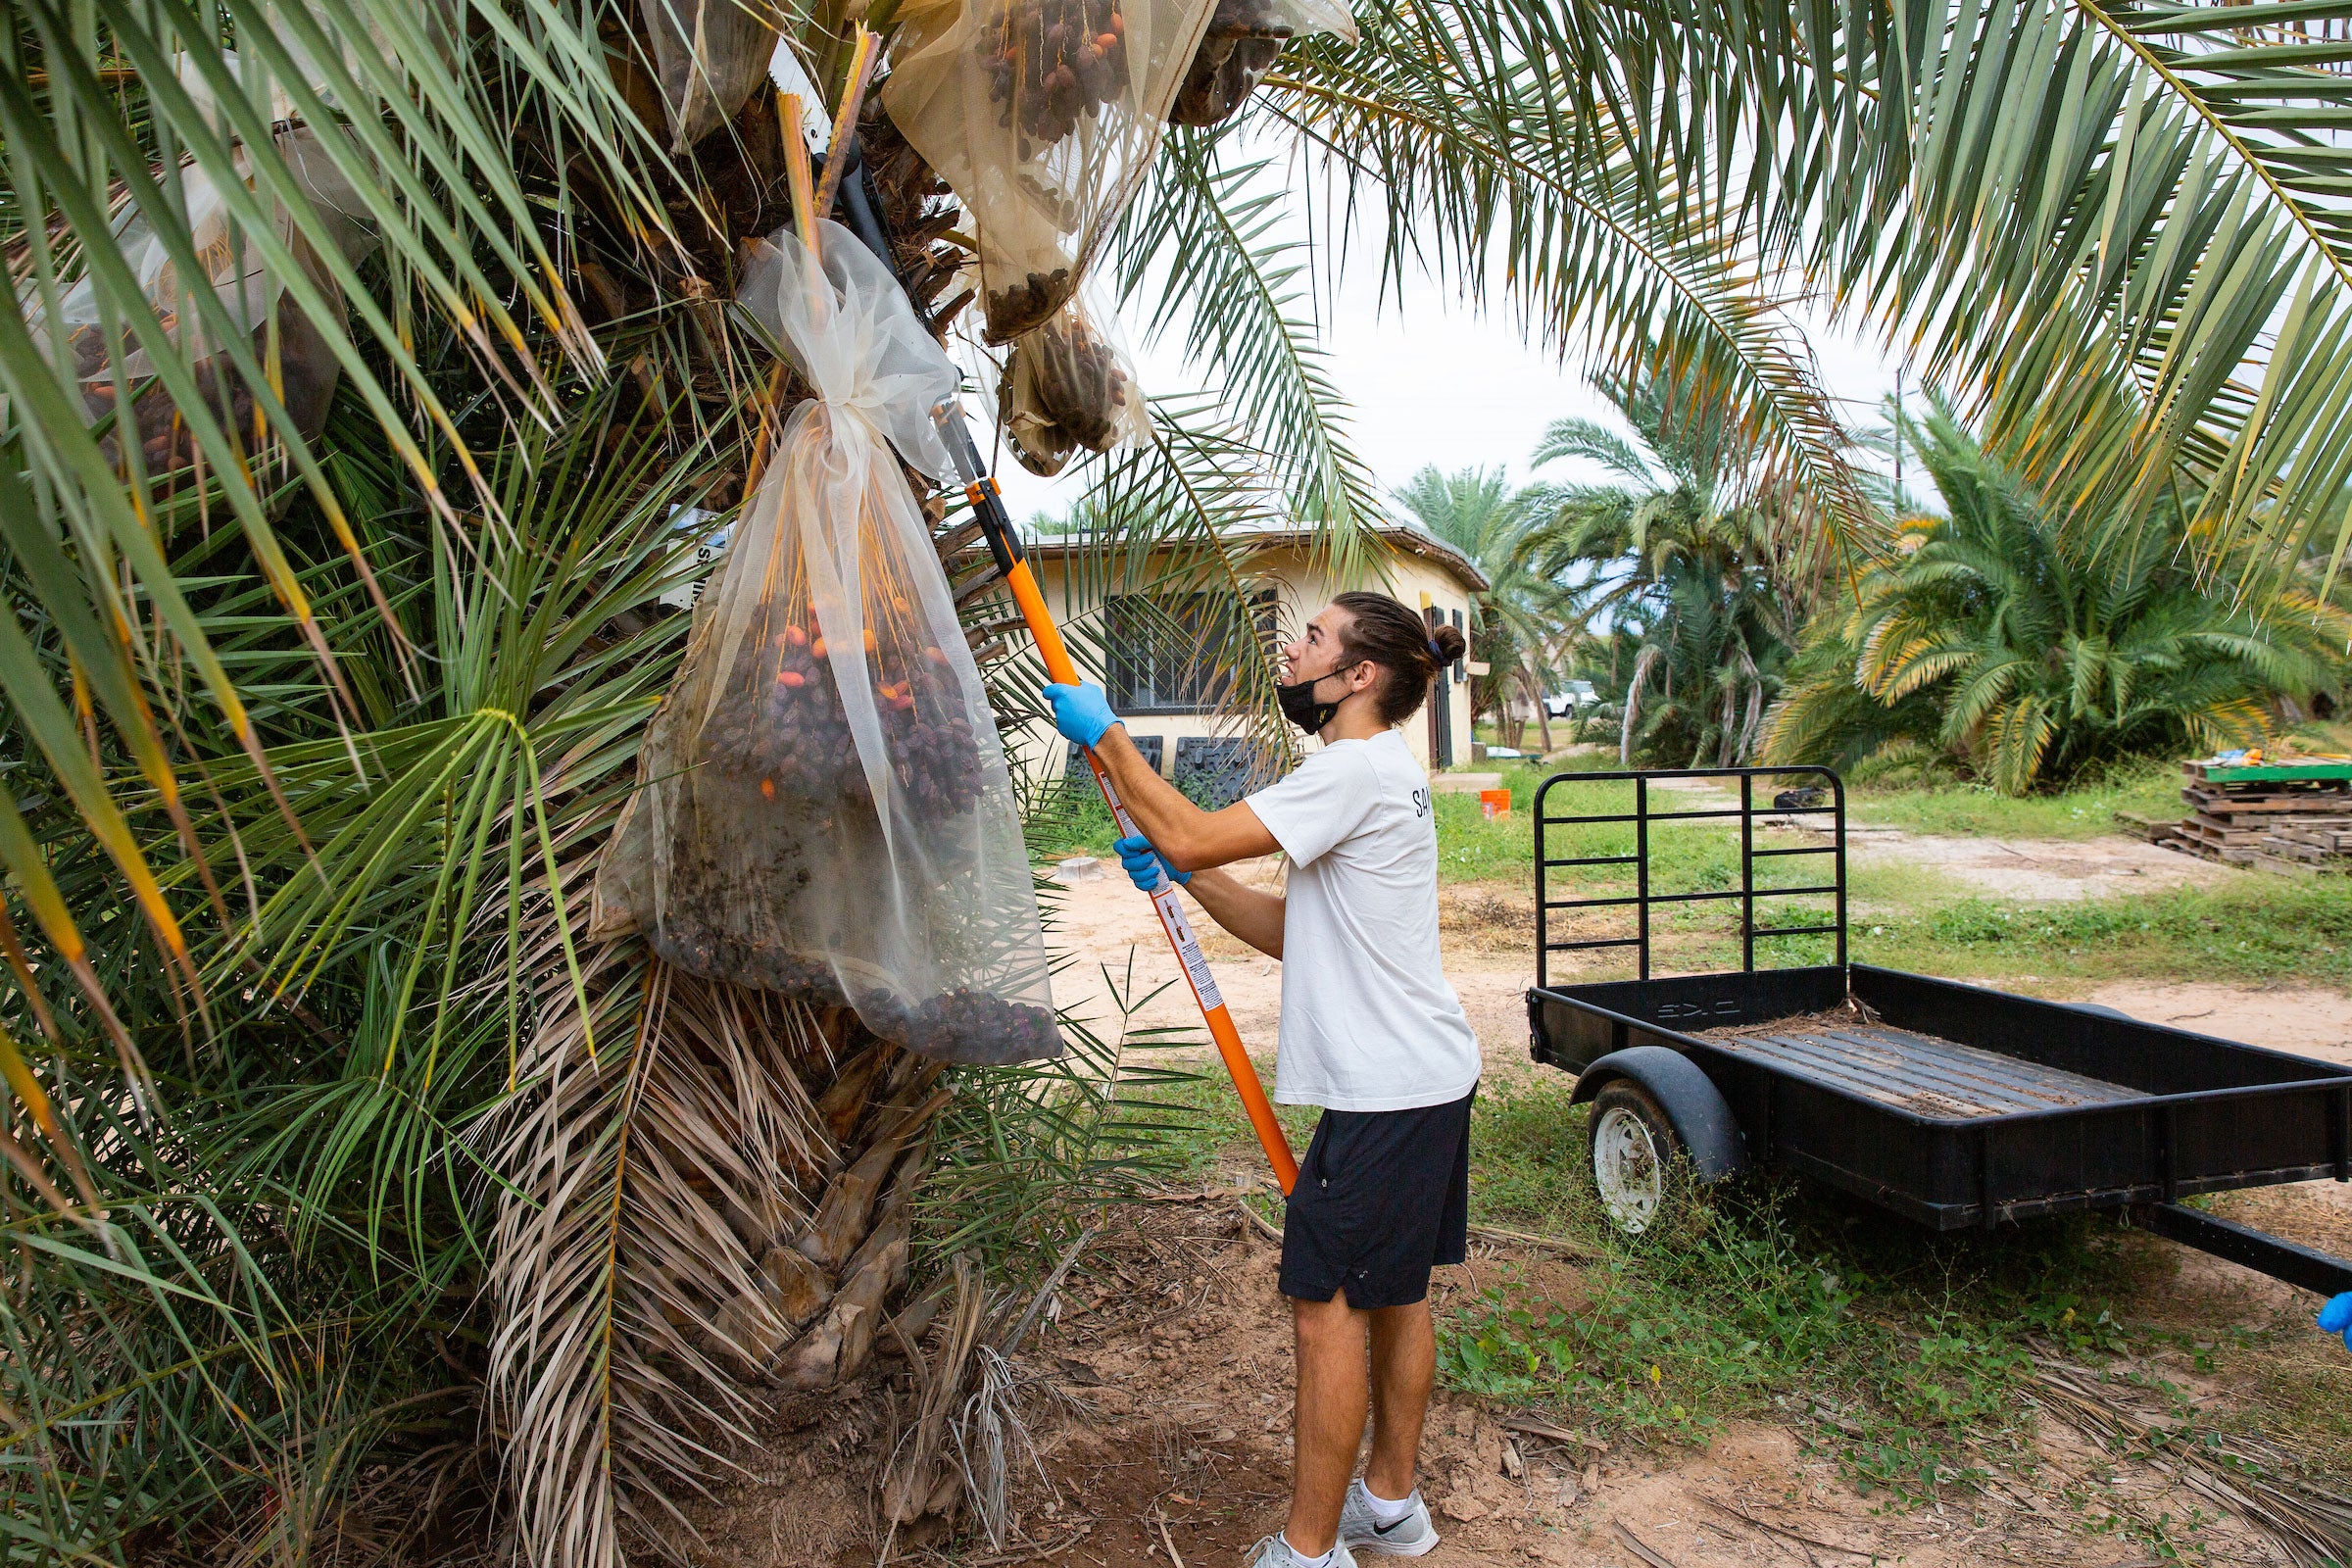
x: 1921, y: 1073
x: 1950, y: 1103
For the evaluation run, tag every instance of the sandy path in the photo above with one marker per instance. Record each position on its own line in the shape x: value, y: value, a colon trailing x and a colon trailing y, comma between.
x: 2056, y: 869
x: 2308, y: 1020
x: 2061, y: 870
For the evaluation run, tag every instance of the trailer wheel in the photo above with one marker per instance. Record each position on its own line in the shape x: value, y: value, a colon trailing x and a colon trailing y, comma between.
x: 1636, y: 1155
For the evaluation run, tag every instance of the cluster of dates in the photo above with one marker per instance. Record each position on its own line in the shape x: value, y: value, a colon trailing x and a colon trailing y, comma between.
x: 1079, y: 384
x: 1052, y: 62
x: 166, y: 441
x: 701, y: 947
x: 966, y: 1025
x: 785, y: 730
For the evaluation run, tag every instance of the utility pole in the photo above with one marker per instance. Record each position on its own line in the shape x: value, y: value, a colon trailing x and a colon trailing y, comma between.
x: 1898, y: 437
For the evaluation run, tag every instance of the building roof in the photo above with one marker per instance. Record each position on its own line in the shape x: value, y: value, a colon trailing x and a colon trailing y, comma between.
x: 1403, y: 536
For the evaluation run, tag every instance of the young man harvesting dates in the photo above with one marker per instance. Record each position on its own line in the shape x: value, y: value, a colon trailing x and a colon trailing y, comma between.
x: 1371, y: 1032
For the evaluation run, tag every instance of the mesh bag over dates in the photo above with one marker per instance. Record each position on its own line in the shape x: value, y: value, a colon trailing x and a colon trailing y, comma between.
x: 711, y: 55
x: 1244, y: 38
x: 1044, y: 114
x: 1069, y: 386
x: 823, y: 807
x: 230, y: 270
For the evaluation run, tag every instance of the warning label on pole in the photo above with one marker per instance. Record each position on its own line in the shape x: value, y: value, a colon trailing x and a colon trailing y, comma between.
x: 1188, y: 949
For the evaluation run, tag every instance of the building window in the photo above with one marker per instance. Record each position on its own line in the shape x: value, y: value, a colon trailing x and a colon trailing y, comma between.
x: 1165, y: 652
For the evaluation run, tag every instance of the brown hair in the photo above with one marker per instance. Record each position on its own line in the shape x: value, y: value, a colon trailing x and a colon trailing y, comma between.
x: 1401, y: 643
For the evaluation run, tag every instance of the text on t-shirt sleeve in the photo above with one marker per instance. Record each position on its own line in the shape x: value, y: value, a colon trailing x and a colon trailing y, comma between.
x: 1320, y: 804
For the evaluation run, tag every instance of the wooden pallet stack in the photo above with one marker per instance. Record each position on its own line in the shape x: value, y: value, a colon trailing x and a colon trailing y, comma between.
x: 2286, y: 813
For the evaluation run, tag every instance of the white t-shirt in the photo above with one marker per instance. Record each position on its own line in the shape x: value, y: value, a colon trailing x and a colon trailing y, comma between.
x: 1368, y: 1020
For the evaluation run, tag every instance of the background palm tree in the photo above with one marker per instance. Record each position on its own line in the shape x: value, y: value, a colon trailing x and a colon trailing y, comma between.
x: 333, y: 620
x: 1522, y: 617
x: 1680, y: 558
x: 2032, y: 641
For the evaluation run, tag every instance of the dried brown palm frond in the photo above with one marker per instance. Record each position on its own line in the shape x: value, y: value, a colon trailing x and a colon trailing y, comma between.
x: 922, y: 1475
x: 991, y: 1432
x: 633, y: 1138
x: 681, y: 1226
x: 2242, y: 1473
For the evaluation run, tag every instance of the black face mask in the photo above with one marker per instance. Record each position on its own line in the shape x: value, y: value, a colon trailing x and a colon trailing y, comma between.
x: 1299, y: 707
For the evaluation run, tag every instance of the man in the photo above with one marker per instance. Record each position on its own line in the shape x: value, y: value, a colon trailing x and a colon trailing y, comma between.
x: 1371, y: 1031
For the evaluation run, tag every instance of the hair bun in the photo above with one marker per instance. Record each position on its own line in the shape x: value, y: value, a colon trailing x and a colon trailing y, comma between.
x: 1446, y: 643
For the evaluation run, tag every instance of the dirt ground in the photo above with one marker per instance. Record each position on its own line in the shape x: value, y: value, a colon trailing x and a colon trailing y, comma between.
x: 1156, y: 1406
x: 1156, y: 1396
x: 2051, y: 869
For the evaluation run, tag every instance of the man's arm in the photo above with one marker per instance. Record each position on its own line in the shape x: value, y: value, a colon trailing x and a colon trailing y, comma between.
x: 1253, y: 915
x: 1191, y: 838
x: 1250, y: 914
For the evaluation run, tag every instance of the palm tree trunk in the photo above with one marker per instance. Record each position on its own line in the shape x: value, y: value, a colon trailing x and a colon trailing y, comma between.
x: 1534, y: 691
x: 1754, y: 725
x: 707, y: 1196
x: 1633, y: 702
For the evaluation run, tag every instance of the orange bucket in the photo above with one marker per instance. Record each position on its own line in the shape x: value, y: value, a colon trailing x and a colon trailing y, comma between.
x: 1493, y: 803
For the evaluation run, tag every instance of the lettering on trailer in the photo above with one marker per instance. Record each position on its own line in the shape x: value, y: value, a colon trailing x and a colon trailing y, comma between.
x: 1188, y: 948
x: 1727, y: 1009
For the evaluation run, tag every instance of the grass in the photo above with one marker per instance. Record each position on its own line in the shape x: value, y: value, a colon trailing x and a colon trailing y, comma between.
x: 1974, y: 810
x: 1904, y: 1352
x: 2278, y: 930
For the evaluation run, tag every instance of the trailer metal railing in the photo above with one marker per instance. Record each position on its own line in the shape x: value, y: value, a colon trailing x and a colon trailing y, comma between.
x: 1641, y: 899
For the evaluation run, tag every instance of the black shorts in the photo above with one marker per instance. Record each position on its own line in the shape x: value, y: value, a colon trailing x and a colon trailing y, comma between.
x: 1383, y: 1196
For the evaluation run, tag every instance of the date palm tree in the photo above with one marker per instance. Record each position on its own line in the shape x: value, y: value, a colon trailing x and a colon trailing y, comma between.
x: 363, y: 355
x: 1524, y: 613
x: 1680, y: 547
x: 2031, y: 642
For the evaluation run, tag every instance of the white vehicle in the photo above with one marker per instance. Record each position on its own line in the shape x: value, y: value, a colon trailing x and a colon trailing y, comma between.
x: 1572, y: 699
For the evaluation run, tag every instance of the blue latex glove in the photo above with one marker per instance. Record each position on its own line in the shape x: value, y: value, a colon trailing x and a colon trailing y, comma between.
x: 1144, y: 865
x: 2336, y: 1317
x: 1081, y: 713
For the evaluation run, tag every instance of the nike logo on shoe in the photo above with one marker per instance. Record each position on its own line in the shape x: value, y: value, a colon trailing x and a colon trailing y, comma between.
x: 1382, y: 1530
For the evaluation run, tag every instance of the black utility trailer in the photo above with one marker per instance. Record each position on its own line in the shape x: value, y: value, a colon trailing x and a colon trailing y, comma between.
x: 1949, y: 1104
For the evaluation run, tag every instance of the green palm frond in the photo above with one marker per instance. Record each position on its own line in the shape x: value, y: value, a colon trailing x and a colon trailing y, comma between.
x: 1493, y: 142
x: 2118, y: 227
x: 185, y: 234
x: 2032, y: 640
x: 1209, y: 237
x: 1572, y: 438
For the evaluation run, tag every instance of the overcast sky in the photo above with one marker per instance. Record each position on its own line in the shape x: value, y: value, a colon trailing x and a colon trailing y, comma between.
x: 1432, y: 381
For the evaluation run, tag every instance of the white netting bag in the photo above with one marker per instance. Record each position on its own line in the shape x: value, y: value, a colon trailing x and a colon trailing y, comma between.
x: 230, y: 268
x: 710, y: 55
x: 1244, y: 38
x: 1069, y: 386
x: 824, y: 807
x: 1044, y: 114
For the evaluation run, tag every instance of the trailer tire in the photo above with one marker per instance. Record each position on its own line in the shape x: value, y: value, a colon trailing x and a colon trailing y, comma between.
x: 1640, y: 1167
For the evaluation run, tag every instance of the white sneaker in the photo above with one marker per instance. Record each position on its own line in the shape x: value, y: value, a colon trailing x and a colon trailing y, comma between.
x: 1409, y: 1537
x: 1275, y: 1553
